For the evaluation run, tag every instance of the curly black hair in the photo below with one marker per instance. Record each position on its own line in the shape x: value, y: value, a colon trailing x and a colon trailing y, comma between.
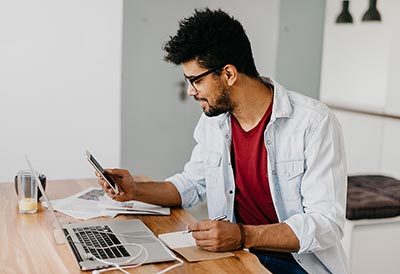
x: 214, y: 39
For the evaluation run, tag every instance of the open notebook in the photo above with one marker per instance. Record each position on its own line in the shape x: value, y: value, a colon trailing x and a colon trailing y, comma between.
x: 184, y: 244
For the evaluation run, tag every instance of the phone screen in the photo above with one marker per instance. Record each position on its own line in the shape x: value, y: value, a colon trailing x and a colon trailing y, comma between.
x: 101, y: 170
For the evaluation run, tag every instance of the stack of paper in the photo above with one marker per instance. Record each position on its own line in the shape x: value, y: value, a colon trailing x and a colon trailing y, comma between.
x: 109, y: 206
x: 92, y: 203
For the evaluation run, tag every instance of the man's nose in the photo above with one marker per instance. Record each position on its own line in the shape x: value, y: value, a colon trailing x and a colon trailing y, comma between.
x: 191, y: 91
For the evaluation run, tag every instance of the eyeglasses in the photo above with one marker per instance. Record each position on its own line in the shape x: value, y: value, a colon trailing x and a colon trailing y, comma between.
x: 193, y: 79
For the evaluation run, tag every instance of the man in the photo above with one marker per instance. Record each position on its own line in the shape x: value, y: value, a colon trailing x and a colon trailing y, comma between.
x: 271, y: 160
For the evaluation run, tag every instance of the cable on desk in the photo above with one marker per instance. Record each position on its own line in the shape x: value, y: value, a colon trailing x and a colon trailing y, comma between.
x: 117, y: 266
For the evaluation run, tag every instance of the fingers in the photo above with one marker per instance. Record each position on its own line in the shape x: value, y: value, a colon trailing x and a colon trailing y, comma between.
x: 201, y: 226
x: 207, y: 240
x: 117, y: 172
x: 207, y: 245
x: 106, y: 187
x: 203, y: 231
x: 123, y: 179
x: 120, y: 197
x: 216, y: 235
x: 111, y: 193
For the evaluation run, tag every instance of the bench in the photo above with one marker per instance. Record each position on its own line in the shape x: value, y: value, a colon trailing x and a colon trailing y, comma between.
x: 372, y: 228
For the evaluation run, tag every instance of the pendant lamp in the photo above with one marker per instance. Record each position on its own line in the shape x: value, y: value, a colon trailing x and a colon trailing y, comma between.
x: 372, y: 14
x: 345, y: 16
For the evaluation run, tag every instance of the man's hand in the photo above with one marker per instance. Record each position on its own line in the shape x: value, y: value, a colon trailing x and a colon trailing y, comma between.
x: 125, y: 182
x: 216, y: 235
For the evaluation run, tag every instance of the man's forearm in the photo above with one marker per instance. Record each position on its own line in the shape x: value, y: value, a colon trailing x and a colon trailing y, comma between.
x: 158, y: 193
x: 273, y: 237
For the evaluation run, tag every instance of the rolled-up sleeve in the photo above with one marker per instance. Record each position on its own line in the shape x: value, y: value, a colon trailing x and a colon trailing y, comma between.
x: 323, y: 188
x: 191, y: 183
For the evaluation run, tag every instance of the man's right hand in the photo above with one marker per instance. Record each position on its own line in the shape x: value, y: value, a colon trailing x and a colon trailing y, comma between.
x: 125, y: 182
x: 158, y: 193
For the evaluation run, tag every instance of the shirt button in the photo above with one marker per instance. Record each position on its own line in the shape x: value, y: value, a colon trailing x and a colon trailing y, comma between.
x: 227, y: 136
x: 229, y: 164
x: 230, y: 191
x: 273, y: 172
x: 268, y: 142
x: 287, y: 174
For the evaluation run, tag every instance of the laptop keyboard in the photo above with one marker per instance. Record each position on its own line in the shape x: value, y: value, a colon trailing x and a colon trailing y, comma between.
x: 100, y: 241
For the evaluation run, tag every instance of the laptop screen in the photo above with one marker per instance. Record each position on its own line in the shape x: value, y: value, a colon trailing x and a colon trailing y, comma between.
x: 58, y: 233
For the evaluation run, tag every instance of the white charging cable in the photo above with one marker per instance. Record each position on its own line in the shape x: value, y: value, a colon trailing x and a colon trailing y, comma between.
x: 172, y: 266
x: 117, y: 266
x: 127, y: 267
x: 145, y: 236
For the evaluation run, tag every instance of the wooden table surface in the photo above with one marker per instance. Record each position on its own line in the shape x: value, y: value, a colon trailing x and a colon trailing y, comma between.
x: 27, y: 244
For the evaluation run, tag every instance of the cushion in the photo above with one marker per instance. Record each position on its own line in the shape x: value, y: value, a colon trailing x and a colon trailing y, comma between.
x: 372, y: 197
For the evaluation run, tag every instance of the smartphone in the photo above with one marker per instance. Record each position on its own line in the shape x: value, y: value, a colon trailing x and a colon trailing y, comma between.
x: 100, y: 170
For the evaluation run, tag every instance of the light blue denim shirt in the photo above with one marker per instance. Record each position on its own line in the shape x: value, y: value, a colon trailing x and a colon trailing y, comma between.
x: 307, y: 175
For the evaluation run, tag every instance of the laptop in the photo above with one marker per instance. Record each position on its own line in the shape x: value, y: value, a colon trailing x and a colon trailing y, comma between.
x: 111, y: 241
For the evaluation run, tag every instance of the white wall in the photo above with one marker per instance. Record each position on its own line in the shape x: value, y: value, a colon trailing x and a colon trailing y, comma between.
x: 360, y: 70
x: 300, y: 45
x: 260, y: 19
x: 59, y: 85
x: 356, y: 57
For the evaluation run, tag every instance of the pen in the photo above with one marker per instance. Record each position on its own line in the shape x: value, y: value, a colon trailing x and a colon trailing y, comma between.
x: 217, y: 218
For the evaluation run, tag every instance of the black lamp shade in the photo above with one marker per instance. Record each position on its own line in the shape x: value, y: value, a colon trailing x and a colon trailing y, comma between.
x: 345, y: 16
x: 372, y: 14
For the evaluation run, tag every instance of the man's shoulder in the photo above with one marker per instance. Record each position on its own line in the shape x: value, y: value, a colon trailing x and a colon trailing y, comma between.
x: 303, y: 104
x: 300, y: 110
x: 291, y: 103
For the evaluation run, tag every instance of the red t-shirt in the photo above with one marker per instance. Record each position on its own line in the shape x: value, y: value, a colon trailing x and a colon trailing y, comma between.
x: 253, y: 201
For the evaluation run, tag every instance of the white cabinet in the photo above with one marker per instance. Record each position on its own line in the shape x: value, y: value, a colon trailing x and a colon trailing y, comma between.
x: 372, y: 245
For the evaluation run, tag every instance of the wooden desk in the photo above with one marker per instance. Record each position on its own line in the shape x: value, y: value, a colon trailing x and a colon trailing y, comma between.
x: 27, y: 244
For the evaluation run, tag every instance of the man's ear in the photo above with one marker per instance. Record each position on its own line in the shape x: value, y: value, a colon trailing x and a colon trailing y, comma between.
x: 231, y: 74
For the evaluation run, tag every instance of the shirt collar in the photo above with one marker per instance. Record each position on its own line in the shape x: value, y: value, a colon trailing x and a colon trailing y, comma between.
x: 281, y: 107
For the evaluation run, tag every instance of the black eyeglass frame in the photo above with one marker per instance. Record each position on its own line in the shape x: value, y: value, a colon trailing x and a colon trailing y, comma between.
x: 193, y: 79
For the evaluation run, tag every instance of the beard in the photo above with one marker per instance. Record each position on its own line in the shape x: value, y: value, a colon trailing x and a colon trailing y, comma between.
x: 223, y: 103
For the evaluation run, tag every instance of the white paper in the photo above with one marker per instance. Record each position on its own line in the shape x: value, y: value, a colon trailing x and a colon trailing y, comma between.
x: 178, y: 239
x: 132, y: 207
x: 93, y: 203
